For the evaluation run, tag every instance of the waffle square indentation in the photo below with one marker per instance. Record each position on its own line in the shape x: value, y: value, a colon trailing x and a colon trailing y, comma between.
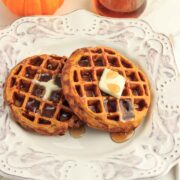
x: 95, y: 106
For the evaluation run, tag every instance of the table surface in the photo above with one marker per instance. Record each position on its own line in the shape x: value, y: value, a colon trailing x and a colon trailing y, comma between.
x: 162, y: 15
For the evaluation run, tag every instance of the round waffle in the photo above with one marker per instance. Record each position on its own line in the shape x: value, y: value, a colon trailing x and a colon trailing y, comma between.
x: 80, y: 82
x: 25, y: 94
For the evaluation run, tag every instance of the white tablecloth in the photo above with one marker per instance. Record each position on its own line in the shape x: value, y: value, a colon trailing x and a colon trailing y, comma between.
x: 162, y: 15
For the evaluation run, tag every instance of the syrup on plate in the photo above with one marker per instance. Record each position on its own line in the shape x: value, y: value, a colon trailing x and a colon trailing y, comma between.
x: 77, y: 132
x: 116, y: 137
x: 121, y: 137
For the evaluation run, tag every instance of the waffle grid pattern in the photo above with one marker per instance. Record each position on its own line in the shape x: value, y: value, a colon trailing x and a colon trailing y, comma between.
x: 87, y: 70
x: 27, y: 95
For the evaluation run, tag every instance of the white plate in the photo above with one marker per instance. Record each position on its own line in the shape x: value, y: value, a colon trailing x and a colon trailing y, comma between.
x: 155, y: 146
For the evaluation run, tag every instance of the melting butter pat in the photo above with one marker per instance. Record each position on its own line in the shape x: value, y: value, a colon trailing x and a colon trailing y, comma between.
x: 112, y: 83
x: 49, y: 86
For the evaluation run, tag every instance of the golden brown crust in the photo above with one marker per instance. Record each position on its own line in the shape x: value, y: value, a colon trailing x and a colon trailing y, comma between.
x: 90, y: 104
x: 19, y: 89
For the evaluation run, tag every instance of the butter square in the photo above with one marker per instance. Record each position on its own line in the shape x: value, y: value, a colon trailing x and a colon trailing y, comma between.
x: 112, y: 83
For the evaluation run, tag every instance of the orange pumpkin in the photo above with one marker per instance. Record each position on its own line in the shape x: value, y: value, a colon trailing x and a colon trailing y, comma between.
x: 33, y: 7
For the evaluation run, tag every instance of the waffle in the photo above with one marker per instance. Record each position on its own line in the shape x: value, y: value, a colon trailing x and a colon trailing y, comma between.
x: 25, y: 96
x: 80, y: 82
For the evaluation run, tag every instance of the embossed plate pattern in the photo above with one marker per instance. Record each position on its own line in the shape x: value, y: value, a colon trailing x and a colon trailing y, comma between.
x: 155, y: 146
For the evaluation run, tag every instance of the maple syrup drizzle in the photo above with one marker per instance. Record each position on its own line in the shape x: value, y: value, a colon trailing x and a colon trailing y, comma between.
x: 121, y: 137
x: 116, y: 137
x: 77, y: 132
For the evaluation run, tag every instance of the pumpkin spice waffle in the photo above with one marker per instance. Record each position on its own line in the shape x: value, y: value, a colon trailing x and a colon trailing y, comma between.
x: 34, y: 93
x: 80, y: 81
